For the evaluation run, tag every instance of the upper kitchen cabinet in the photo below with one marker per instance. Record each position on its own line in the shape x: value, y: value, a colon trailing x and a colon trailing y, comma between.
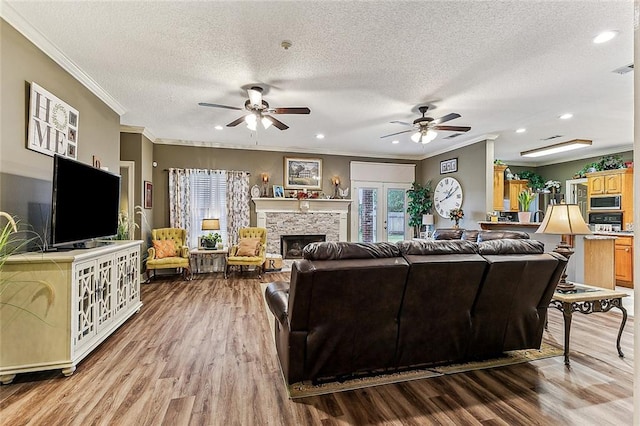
x: 498, y: 187
x: 613, y: 182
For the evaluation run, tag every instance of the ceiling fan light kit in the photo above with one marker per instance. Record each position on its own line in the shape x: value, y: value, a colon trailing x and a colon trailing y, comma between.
x: 424, y: 128
x: 559, y: 147
x: 258, y: 109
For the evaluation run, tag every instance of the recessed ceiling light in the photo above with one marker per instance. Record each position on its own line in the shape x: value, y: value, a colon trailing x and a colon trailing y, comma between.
x: 319, y: 136
x: 395, y: 142
x: 521, y: 130
x: 604, y: 36
x: 566, y: 116
x: 218, y: 127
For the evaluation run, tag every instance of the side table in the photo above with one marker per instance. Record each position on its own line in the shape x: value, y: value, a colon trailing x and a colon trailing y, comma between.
x: 198, y: 256
x: 586, y: 300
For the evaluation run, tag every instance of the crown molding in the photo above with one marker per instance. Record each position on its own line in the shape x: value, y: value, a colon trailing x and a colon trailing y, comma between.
x: 182, y: 142
x: 486, y: 137
x: 140, y: 130
x: 9, y: 14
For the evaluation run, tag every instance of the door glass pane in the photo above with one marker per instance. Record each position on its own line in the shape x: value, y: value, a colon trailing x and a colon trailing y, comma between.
x: 367, y: 214
x: 395, y: 215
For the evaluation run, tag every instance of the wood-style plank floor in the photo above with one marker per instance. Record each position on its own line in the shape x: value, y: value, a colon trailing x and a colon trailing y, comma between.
x: 201, y: 353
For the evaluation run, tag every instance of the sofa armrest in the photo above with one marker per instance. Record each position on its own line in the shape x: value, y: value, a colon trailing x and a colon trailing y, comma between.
x: 151, y: 253
x: 233, y: 250
x: 277, y: 297
x: 184, y: 251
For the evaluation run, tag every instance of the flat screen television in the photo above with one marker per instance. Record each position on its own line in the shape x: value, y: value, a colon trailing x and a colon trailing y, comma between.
x: 85, y: 203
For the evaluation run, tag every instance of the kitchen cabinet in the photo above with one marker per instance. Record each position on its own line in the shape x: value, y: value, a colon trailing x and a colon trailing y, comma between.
x: 613, y: 182
x: 498, y: 187
x: 512, y: 188
x: 599, y: 264
x: 624, y: 261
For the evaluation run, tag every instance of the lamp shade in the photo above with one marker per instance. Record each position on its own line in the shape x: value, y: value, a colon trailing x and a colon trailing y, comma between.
x: 210, y: 224
x: 563, y: 219
x: 427, y: 219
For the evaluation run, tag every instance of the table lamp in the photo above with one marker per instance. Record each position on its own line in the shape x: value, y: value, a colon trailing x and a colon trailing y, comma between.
x: 427, y: 221
x: 565, y: 220
x: 210, y: 225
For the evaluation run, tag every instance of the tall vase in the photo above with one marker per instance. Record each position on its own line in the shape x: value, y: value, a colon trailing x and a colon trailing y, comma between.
x: 455, y: 225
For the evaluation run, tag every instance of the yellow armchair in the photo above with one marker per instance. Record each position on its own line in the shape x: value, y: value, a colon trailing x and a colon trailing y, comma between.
x: 246, y: 252
x: 164, y: 255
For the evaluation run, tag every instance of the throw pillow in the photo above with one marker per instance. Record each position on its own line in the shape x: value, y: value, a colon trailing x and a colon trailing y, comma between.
x: 248, y: 247
x: 164, y: 248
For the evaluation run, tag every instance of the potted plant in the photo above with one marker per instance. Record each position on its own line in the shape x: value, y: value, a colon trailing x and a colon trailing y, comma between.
x: 536, y: 182
x: 552, y: 185
x: 212, y: 241
x: 420, y: 203
x: 456, y: 215
x: 524, y: 200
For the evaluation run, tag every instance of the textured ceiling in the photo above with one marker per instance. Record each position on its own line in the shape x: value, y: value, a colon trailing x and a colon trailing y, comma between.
x: 358, y: 66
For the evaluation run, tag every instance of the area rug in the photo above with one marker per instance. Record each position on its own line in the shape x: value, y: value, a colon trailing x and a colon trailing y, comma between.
x: 306, y: 389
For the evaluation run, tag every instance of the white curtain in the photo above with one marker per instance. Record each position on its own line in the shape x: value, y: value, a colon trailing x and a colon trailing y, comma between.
x: 208, y: 201
x: 194, y: 195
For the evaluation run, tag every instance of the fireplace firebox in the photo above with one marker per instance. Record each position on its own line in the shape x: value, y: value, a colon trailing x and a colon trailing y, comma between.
x: 291, y: 245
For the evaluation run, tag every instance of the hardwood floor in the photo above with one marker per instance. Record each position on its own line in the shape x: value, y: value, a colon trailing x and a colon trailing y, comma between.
x: 201, y: 353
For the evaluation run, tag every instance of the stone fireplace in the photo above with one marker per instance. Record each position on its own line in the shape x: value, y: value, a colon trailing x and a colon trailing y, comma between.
x: 291, y: 245
x: 310, y: 217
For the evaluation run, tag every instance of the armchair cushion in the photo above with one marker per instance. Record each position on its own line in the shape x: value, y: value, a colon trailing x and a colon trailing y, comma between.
x: 248, y: 247
x: 164, y: 248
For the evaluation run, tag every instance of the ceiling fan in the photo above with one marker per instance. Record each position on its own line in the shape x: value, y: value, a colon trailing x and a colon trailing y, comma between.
x: 258, y: 111
x: 425, y: 127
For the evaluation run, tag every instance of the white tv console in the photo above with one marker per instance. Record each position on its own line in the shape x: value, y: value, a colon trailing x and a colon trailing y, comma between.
x: 55, y: 308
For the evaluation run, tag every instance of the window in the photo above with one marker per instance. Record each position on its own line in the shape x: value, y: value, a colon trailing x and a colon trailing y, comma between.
x: 208, y: 201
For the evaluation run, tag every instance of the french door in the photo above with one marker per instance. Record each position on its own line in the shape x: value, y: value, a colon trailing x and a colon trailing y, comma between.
x: 379, y: 212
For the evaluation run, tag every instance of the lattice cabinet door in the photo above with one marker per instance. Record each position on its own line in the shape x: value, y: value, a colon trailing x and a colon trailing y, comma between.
x: 134, y: 275
x: 123, y: 287
x: 85, y: 277
x: 105, y: 291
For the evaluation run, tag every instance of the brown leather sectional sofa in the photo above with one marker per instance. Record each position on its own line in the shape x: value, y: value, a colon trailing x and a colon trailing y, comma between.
x: 367, y: 308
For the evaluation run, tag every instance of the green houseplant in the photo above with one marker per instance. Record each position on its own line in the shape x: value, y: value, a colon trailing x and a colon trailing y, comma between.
x: 536, y: 182
x: 525, y: 198
x: 211, y: 240
x: 420, y: 202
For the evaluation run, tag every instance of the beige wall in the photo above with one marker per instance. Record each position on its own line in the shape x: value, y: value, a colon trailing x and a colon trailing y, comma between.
x: 253, y: 161
x: 25, y: 175
x: 472, y: 172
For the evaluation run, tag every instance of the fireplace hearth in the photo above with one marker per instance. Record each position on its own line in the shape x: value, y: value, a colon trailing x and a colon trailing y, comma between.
x: 291, y: 245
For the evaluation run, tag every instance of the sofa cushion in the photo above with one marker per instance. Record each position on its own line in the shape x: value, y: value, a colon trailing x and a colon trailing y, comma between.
x: 248, y: 247
x: 437, y: 247
x: 511, y: 246
x: 498, y: 235
x: 343, y: 250
x: 448, y: 234
x: 164, y: 248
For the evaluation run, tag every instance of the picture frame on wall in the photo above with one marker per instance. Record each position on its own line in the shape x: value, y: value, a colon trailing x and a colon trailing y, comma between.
x: 302, y: 173
x: 449, y: 166
x: 148, y: 194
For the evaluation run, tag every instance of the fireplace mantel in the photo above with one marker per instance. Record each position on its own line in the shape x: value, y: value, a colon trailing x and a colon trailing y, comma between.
x: 308, y: 205
x: 307, y: 216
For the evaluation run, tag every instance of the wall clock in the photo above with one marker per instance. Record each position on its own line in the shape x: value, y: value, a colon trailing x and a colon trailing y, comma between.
x: 447, y: 195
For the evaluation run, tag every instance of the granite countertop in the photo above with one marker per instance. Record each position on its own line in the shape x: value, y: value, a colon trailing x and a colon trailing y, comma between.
x: 514, y: 224
x: 615, y: 234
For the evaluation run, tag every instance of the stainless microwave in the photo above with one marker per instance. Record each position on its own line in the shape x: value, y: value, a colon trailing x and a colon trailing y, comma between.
x: 605, y: 202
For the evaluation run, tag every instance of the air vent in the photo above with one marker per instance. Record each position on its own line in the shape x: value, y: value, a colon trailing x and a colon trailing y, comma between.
x: 624, y: 70
x: 455, y: 135
x: 551, y: 137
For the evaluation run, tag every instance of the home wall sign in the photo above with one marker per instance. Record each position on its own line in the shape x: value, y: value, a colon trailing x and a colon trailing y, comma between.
x: 53, y: 124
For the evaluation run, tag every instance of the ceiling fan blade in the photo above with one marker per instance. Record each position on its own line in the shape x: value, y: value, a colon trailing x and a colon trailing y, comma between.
x: 205, y: 104
x: 401, y: 122
x: 446, y: 118
x: 236, y: 122
x: 291, y: 110
x: 398, y: 133
x: 453, y: 128
x: 255, y: 96
x: 277, y: 123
